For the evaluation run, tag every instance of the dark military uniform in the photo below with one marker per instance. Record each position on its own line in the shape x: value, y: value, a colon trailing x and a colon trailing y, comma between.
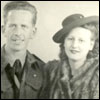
x: 32, y: 80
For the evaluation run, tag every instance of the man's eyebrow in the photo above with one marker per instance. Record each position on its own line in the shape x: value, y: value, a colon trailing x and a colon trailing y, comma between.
x: 12, y: 24
x: 24, y: 25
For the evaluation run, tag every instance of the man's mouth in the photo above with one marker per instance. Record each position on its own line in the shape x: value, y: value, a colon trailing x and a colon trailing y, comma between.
x: 17, y: 41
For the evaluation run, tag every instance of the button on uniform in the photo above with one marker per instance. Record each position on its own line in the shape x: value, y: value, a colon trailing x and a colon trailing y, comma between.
x: 34, y: 75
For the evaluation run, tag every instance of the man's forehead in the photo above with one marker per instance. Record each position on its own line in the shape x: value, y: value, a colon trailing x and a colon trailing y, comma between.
x: 19, y: 16
x: 20, y: 12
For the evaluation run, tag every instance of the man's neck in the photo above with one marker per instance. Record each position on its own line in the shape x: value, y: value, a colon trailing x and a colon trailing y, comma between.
x: 12, y: 55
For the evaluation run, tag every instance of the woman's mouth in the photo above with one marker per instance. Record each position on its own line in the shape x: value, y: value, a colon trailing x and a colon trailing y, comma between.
x: 74, y: 51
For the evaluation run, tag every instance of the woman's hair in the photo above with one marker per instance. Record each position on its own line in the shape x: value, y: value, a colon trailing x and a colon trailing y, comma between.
x: 93, y: 27
x: 95, y: 37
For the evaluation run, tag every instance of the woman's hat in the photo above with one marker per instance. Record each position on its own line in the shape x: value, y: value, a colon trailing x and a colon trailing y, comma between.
x: 71, y: 22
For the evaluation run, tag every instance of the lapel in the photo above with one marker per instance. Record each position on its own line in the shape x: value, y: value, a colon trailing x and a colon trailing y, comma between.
x: 5, y: 83
x: 3, y: 59
x: 34, y: 78
x: 34, y: 73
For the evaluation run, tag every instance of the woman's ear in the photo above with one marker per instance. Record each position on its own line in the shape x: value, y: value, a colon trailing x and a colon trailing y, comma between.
x: 92, y: 44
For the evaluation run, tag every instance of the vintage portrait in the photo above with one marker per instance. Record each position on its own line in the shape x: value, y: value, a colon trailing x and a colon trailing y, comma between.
x: 49, y: 49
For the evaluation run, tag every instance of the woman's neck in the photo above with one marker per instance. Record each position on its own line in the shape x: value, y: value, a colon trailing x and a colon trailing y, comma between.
x: 12, y: 55
x: 75, y: 65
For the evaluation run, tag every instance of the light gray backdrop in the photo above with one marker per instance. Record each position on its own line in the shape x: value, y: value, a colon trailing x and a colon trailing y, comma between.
x: 50, y: 16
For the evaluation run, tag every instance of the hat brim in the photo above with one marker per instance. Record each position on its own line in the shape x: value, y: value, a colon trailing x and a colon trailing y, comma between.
x: 59, y: 36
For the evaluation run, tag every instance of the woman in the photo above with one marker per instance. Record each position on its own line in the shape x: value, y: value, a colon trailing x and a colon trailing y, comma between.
x: 76, y: 74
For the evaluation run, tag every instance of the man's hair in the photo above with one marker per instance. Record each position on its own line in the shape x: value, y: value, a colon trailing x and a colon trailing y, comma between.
x: 20, y: 5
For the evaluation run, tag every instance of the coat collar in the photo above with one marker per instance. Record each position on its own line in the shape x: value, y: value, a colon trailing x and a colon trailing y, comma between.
x: 87, y: 68
x: 34, y: 72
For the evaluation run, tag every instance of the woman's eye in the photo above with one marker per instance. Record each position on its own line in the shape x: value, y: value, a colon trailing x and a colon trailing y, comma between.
x: 70, y: 38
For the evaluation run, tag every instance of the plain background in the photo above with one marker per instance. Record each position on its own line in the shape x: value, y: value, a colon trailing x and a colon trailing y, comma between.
x: 50, y: 17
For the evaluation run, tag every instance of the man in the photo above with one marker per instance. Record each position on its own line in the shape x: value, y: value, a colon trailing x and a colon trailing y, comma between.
x: 22, y: 74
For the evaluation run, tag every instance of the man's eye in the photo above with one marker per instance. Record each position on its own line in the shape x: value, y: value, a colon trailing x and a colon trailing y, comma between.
x: 24, y: 26
x: 12, y: 25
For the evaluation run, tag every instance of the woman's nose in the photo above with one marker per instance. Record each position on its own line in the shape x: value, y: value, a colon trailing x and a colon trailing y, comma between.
x: 75, y: 44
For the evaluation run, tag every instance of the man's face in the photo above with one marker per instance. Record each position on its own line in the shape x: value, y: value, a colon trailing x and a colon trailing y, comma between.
x: 78, y: 43
x: 19, y: 29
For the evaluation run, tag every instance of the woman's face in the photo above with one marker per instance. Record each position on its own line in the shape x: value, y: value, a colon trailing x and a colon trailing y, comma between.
x: 78, y: 43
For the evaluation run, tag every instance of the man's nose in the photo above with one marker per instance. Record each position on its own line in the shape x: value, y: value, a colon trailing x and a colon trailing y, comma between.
x: 18, y: 31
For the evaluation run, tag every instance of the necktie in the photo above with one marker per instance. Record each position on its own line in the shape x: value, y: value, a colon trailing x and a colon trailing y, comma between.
x: 18, y: 76
x: 18, y: 69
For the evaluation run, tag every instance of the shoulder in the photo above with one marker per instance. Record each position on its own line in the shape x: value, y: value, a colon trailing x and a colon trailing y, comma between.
x: 35, y: 61
x: 39, y: 62
x: 52, y: 65
x: 93, y: 63
x: 96, y: 64
x: 95, y: 84
x: 97, y: 72
x: 38, y: 59
x: 53, y: 62
x: 95, y: 67
x: 33, y: 58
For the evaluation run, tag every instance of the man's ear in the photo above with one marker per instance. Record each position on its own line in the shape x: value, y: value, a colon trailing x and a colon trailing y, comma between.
x: 33, y: 33
x: 92, y: 44
x: 3, y: 29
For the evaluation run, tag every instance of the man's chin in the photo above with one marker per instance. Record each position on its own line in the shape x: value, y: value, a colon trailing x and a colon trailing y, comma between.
x: 17, y: 49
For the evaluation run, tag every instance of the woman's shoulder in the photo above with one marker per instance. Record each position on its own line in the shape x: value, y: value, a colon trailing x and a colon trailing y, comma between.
x: 52, y: 65
x: 53, y: 62
x: 96, y: 69
x: 95, y: 65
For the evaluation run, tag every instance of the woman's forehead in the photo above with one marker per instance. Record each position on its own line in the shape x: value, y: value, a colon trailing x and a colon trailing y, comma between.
x: 80, y: 32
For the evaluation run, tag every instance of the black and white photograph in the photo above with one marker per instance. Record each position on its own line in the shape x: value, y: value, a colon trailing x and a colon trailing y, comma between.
x: 49, y: 49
